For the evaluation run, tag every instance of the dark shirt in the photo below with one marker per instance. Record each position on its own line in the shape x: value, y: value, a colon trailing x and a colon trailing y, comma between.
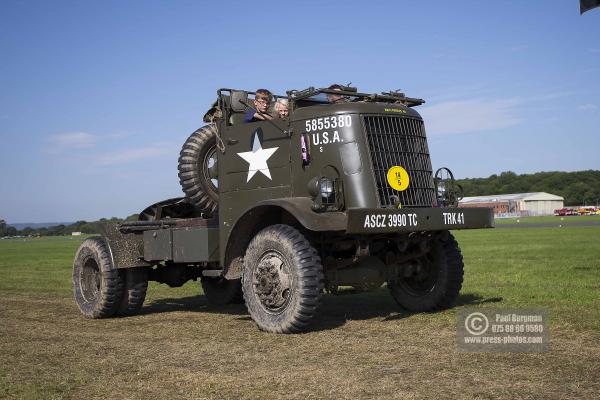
x: 250, y: 116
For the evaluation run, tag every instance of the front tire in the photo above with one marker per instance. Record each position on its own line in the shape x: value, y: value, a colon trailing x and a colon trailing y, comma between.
x: 97, y: 285
x: 438, y: 281
x: 282, y: 280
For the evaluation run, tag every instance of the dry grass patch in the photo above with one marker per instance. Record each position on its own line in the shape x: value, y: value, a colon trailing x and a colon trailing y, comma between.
x: 361, y: 346
x: 184, y: 349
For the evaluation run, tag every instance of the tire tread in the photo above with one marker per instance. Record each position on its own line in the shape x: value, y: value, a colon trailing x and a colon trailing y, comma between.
x: 309, y: 270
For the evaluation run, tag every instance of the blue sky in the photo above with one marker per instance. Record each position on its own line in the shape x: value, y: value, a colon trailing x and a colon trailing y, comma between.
x: 96, y: 98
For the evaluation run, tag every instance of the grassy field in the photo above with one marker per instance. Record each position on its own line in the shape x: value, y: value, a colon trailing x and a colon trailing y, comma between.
x: 362, y: 345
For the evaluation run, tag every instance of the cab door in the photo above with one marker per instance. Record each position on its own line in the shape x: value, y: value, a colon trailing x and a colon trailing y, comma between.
x: 256, y: 157
x: 255, y: 166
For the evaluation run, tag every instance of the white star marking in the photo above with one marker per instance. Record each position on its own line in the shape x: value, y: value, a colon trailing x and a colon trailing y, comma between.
x: 257, y: 158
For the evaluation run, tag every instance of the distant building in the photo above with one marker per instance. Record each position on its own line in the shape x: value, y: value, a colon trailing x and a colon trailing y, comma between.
x: 76, y: 233
x: 517, y: 205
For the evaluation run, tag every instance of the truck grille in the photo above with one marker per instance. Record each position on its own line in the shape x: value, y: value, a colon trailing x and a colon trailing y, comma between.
x: 401, y: 141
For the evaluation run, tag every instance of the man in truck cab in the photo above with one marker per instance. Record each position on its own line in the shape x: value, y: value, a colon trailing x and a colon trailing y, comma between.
x: 262, y: 101
x: 336, y: 98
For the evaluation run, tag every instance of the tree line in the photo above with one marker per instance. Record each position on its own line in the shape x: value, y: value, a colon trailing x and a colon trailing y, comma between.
x: 577, y: 188
x: 60, y: 230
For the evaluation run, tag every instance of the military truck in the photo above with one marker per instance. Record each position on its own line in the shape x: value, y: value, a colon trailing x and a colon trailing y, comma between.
x: 339, y: 194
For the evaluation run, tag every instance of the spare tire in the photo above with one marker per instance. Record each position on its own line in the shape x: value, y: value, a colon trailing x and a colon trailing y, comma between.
x: 197, y: 169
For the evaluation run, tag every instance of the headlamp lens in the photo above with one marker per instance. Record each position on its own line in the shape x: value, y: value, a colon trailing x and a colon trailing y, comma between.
x: 325, y: 187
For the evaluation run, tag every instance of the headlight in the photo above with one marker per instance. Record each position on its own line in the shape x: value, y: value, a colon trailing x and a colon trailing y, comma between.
x: 326, y: 187
x: 327, y: 193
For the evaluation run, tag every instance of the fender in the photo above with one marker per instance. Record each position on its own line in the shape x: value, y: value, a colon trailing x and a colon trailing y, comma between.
x: 300, y: 208
x: 269, y: 212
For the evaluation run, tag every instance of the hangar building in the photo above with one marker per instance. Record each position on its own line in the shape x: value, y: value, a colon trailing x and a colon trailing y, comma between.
x: 517, y: 205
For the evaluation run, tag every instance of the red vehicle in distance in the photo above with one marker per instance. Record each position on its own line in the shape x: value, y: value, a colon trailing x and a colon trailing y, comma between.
x: 565, y: 212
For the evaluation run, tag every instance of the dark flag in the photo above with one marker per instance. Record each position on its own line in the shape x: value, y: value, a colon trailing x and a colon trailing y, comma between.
x: 585, y: 5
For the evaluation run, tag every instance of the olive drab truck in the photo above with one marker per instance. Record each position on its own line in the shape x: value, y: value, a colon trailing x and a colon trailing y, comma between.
x: 276, y: 212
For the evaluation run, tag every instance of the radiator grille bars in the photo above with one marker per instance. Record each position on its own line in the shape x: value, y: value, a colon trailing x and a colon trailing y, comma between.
x: 400, y: 141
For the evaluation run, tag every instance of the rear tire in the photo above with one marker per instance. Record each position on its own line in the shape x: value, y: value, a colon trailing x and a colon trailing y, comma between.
x: 282, y: 280
x: 196, y: 158
x: 221, y: 291
x: 439, y: 286
x: 97, y: 285
x: 134, y: 290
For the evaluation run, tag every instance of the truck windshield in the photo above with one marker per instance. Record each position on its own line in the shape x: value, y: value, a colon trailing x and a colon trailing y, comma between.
x: 325, y: 98
x: 312, y: 96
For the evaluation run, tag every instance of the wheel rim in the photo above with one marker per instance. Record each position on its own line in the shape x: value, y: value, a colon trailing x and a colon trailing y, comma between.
x: 90, y: 280
x: 272, y: 282
x: 209, y: 169
x: 423, y: 278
